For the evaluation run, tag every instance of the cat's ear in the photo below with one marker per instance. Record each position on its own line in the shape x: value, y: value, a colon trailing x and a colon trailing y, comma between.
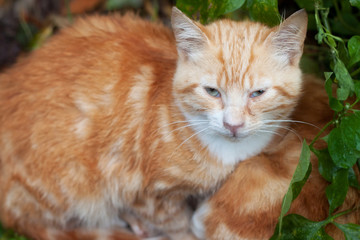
x: 190, y: 39
x: 289, y: 37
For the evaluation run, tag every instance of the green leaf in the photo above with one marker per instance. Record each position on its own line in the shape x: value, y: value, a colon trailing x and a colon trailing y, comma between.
x: 326, y: 166
x: 342, y: 94
x: 355, y: 3
x: 328, y: 169
x: 337, y: 190
x: 343, y: 53
x: 208, y: 10
x: 353, y: 181
x: 232, y: 5
x: 351, y: 231
x: 328, y: 84
x: 297, y: 227
x: 265, y: 11
x: 328, y: 75
x: 343, y: 76
x: 40, y: 38
x: 343, y: 141
x: 309, y: 5
x: 25, y: 34
x: 357, y: 89
x: 117, y: 4
x: 354, y: 49
x: 335, y: 105
x: 298, y: 180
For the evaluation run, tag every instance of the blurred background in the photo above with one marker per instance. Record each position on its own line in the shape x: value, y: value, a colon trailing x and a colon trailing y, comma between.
x: 26, y: 24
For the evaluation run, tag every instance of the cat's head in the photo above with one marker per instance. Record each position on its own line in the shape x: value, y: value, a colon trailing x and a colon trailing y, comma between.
x: 233, y: 79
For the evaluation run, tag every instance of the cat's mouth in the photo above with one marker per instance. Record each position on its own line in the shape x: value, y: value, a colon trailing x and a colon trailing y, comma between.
x: 236, y: 137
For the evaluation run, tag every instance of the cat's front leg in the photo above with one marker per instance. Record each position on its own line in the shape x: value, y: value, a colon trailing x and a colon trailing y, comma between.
x: 170, y: 215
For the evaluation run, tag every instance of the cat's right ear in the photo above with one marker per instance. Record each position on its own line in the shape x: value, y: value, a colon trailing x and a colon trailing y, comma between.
x: 190, y: 40
x: 289, y: 38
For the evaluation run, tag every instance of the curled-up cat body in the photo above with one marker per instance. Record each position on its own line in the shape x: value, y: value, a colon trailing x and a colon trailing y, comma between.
x: 248, y: 204
x: 116, y: 116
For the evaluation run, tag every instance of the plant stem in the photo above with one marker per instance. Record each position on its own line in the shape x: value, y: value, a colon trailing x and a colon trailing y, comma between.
x: 357, y: 71
x: 321, y: 132
x: 26, y: 28
x: 352, y: 105
x: 325, y: 20
x: 332, y: 218
x: 68, y: 11
x: 334, y: 37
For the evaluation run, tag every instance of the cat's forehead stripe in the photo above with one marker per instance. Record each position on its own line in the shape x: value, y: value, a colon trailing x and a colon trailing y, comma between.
x: 236, y: 50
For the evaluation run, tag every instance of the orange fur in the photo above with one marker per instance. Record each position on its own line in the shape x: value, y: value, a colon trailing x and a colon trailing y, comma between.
x: 113, y: 117
x: 248, y: 205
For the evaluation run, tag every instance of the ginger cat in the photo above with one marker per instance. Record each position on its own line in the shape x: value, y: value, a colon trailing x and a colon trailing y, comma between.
x: 117, y: 117
x: 248, y: 204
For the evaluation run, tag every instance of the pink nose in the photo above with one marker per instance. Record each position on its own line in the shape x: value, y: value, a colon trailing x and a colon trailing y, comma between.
x: 233, y: 128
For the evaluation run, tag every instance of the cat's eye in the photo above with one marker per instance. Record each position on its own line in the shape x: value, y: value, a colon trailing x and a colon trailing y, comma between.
x: 257, y: 93
x: 213, y: 92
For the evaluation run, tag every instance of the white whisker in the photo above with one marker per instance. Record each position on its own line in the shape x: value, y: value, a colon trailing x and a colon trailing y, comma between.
x: 199, y: 122
x: 286, y: 128
x: 182, y: 127
x: 187, y: 139
x: 291, y: 121
x: 267, y: 131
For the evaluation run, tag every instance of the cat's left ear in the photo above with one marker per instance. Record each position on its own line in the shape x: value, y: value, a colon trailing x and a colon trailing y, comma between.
x: 190, y: 39
x: 288, y: 40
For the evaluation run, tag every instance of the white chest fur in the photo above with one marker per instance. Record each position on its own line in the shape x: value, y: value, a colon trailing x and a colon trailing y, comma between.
x: 231, y: 152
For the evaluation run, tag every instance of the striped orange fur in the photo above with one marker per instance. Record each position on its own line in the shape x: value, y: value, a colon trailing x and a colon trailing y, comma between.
x: 117, y: 117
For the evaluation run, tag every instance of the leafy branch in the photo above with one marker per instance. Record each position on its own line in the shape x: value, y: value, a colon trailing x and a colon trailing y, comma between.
x: 336, y: 162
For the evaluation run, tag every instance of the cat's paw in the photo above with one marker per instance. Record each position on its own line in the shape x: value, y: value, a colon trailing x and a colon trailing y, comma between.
x: 156, y: 238
x: 183, y: 236
x: 197, y: 221
x: 140, y: 228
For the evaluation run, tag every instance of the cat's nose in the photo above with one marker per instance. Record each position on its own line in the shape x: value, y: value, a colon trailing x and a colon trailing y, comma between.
x: 233, y: 128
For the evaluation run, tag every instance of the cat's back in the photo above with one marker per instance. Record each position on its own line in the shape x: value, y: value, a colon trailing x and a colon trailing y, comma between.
x: 114, y: 41
x: 65, y: 94
x: 97, y: 57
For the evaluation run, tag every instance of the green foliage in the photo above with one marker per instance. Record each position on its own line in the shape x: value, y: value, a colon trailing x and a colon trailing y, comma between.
x: 208, y: 10
x: 354, y: 50
x: 265, y: 11
x: 6, y: 234
x: 344, y: 141
x: 302, y: 173
x: 351, y: 231
x: 336, y: 162
x: 117, y: 4
x: 355, y: 3
x: 337, y: 190
x: 297, y: 227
